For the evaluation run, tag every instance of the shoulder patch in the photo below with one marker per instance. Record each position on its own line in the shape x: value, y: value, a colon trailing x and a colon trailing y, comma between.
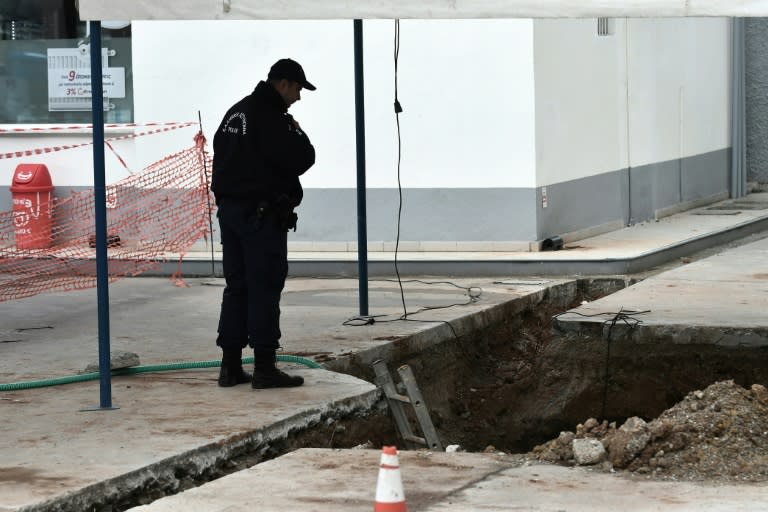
x: 236, y: 123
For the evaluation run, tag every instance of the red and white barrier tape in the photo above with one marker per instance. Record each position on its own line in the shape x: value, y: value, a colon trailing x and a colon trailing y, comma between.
x: 89, y: 126
x: 119, y: 158
x: 40, y: 151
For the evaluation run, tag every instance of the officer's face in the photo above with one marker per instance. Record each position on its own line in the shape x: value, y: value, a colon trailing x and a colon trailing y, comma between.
x: 290, y: 91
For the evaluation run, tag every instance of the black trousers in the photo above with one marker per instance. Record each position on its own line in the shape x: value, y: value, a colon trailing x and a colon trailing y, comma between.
x: 255, y: 260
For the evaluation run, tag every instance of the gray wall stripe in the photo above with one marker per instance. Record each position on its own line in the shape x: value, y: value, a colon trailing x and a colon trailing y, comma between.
x: 504, y: 214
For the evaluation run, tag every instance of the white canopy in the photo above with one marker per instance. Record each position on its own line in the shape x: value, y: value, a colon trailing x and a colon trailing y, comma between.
x: 404, y: 9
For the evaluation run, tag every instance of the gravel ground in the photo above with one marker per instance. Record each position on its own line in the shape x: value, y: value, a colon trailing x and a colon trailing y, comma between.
x: 718, y: 434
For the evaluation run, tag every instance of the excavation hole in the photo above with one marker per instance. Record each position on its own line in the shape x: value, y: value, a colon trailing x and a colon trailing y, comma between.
x: 520, y: 387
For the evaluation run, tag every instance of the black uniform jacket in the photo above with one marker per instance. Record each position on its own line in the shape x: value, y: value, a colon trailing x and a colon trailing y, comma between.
x: 258, y: 153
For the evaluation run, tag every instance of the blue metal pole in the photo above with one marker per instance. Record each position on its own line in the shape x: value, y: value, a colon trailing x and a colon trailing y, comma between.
x: 362, y: 235
x: 100, y: 201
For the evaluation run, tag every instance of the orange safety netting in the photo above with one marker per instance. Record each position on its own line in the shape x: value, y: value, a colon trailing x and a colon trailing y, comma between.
x: 152, y: 217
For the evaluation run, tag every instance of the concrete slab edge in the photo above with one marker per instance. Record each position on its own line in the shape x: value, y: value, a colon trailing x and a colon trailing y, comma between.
x: 675, y: 334
x: 486, y: 267
x: 687, y: 247
x: 359, y: 364
x: 165, y: 476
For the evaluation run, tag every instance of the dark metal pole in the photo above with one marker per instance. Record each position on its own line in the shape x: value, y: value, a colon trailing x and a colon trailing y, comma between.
x: 362, y: 236
x: 207, y: 196
x: 738, y: 113
x: 100, y: 199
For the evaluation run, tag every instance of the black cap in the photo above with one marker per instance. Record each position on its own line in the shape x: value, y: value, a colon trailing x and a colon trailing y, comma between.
x: 290, y: 70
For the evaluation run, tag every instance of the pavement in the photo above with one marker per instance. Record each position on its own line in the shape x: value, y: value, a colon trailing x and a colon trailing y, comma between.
x: 60, y: 449
x: 618, y: 251
x: 721, y: 300
x: 345, y: 480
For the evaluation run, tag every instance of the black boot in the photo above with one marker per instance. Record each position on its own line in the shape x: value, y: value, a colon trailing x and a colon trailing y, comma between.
x: 266, y: 374
x: 232, y: 373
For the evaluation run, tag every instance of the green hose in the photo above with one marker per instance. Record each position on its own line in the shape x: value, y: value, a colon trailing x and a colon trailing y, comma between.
x: 30, y: 384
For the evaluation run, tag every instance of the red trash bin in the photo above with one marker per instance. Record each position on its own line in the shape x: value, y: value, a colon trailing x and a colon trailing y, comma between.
x: 32, y: 192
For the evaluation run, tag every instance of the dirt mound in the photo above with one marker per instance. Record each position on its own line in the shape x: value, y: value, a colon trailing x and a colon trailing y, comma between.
x: 720, y: 433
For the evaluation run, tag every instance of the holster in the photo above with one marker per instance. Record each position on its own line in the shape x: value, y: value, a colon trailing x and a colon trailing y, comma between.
x: 286, y: 217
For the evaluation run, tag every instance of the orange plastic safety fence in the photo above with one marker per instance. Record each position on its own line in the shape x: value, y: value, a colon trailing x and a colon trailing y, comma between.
x: 152, y: 217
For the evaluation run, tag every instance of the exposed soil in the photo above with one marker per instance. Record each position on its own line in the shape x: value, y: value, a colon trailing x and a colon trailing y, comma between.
x: 720, y: 433
x: 514, y: 386
x: 519, y: 383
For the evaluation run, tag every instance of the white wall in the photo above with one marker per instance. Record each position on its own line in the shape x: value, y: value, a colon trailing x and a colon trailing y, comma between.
x: 581, y: 127
x: 184, y: 67
x: 679, y: 87
x: 665, y: 82
x: 466, y: 88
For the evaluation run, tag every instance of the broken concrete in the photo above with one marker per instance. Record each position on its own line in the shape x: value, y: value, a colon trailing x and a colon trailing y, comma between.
x: 117, y: 360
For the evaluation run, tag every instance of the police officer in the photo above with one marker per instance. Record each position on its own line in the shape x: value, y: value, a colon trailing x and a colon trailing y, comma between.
x: 259, y: 153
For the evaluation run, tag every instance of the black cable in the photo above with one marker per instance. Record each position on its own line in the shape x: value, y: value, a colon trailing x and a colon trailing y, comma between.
x: 357, y: 321
x: 473, y: 295
x: 623, y: 314
x: 398, y: 110
x: 473, y: 292
x: 632, y: 323
x: 467, y: 289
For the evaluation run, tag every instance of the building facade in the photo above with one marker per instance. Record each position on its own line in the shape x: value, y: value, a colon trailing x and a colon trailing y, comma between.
x: 512, y: 130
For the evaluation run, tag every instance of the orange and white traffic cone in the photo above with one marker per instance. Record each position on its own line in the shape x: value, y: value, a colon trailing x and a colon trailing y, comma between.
x: 389, y: 489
